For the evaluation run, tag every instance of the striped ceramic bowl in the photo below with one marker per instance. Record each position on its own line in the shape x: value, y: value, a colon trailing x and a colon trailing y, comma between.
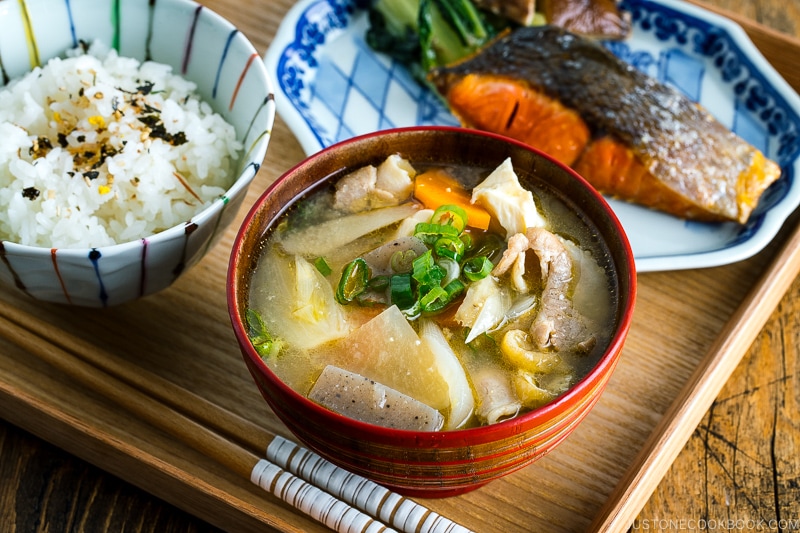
x: 440, y: 463
x: 199, y: 45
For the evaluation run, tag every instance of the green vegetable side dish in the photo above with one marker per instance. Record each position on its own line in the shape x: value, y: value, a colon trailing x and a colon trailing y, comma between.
x: 422, y: 34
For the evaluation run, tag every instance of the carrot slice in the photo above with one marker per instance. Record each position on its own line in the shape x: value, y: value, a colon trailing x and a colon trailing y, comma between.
x: 436, y: 187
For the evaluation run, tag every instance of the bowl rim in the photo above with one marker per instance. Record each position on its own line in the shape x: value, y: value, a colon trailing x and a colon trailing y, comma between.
x: 474, y: 435
x: 245, y: 172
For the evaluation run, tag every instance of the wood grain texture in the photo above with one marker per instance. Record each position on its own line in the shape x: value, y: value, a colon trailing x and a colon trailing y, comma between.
x: 47, y: 489
x: 739, y: 469
x: 740, y: 464
x: 699, y: 392
x: 183, y: 335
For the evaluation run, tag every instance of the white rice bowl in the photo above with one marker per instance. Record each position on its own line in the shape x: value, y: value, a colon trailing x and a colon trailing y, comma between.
x: 79, y: 169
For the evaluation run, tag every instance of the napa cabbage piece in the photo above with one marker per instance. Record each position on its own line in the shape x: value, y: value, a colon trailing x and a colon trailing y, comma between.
x: 462, y: 401
x: 329, y: 236
x: 484, y: 308
x: 388, y: 350
x: 509, y: 203
x: 296, y: 303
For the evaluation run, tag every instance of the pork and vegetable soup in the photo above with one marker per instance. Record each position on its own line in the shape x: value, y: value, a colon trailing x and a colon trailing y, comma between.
x: 432, y: 297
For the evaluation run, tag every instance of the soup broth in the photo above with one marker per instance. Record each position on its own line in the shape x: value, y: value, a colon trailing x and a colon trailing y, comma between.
x: 432, y: 296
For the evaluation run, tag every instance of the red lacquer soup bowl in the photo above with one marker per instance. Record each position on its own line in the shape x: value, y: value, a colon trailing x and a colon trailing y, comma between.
x: 446, y: 462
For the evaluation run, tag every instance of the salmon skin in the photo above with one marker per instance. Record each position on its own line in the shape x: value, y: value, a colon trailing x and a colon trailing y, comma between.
x: 629, y: 135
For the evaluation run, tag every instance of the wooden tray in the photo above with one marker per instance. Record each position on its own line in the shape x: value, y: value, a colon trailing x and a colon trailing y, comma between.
x: 183, y: 335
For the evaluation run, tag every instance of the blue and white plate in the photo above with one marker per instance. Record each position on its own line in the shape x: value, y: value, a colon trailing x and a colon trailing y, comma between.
x: 332, y: 86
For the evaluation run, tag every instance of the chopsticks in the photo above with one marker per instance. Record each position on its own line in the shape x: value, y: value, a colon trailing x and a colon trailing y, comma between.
x: 341, y: 500
x: 692, y: 403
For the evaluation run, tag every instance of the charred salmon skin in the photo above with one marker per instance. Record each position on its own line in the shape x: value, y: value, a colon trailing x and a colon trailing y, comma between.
x: 629, y: 135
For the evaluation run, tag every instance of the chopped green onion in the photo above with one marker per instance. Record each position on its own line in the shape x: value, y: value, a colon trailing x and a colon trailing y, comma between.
x: 353, y: 281
x: 477, y: 268
x: 455, y: 288
x: 428, y: 233
x: 323, y: 266
x: 426, y: 272
x: 378, y: 283
x: 449, y: 247
x: 402, y: 294
x: 450, y: 215
x: 422, y: 264
x: 440, y: 297
x: 452, y: 269
x: 402, y: 260
x: 376, y: 293
x: 466, y: 238
x: 434, y: 299
x: 413, y: 312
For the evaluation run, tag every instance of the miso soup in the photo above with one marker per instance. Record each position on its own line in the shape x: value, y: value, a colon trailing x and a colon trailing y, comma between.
x: 432, y: 297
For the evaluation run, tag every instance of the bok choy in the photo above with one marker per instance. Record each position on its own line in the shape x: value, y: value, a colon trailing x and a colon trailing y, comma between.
x: 422, y: 34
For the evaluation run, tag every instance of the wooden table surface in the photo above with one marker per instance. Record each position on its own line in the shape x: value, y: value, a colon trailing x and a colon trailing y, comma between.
x: 739, y: 470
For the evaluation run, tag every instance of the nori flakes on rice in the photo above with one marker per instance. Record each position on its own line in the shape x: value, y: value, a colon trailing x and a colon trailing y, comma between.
x: 98, y: 149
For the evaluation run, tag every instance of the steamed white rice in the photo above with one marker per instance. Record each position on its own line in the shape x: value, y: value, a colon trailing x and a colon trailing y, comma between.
x: 80, y: 168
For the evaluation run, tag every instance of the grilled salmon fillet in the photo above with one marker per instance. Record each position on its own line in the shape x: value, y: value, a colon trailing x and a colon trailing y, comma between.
x: 629, y: 135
